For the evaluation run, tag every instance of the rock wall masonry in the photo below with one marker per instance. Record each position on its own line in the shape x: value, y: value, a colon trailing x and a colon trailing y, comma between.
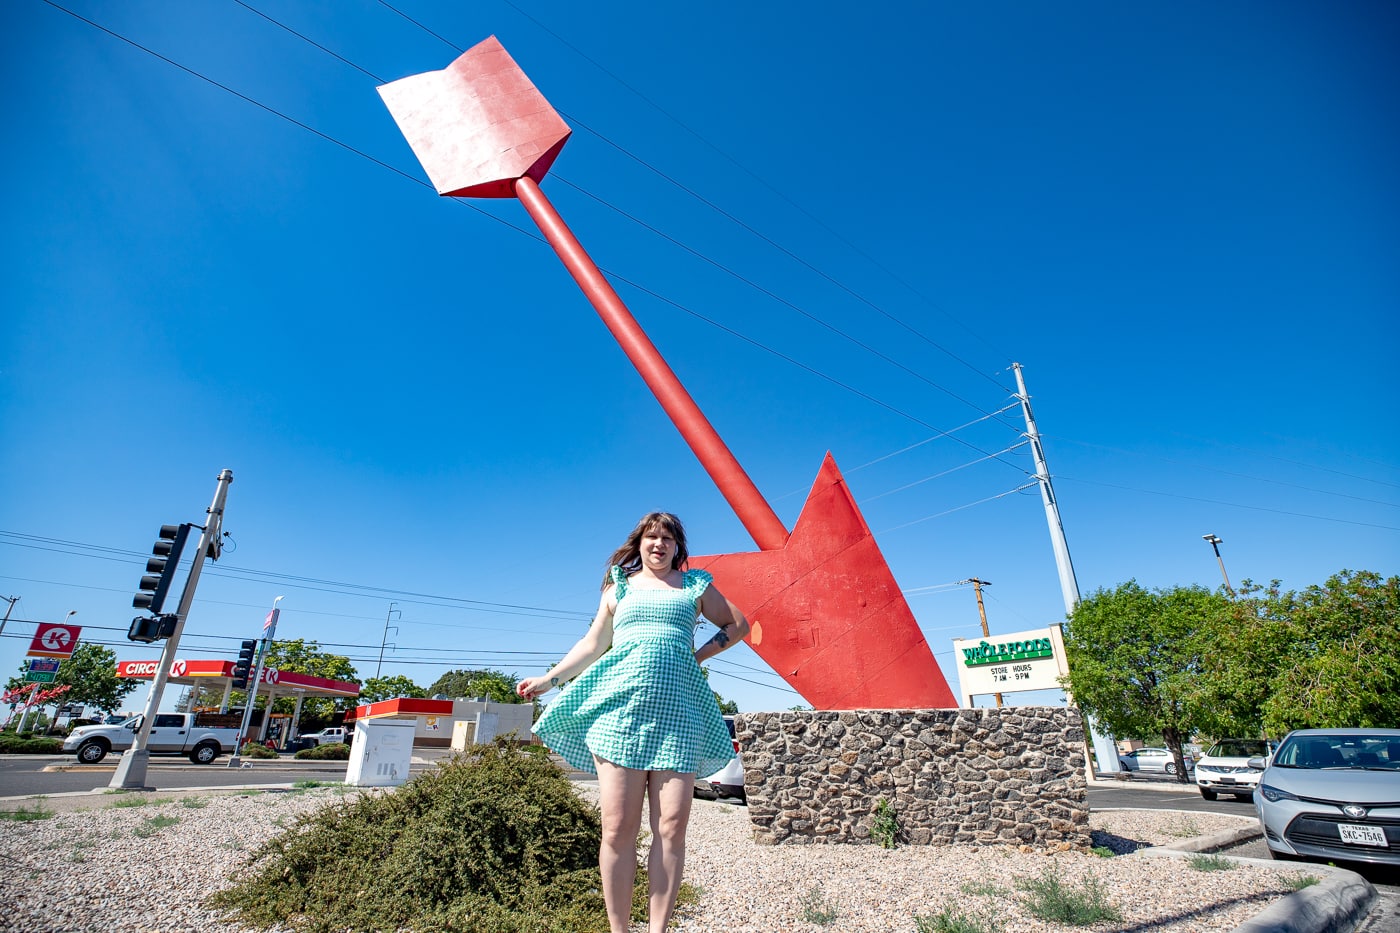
x: 1012, y: 776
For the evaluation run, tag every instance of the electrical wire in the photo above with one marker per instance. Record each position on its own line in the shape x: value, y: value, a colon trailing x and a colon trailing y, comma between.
x: 969, y: 505
x: 942, y: 474
x: 732, y: 160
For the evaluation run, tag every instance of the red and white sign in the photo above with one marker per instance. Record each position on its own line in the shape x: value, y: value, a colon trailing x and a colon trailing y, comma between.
x: 54, y: 640
x: 185, y: 671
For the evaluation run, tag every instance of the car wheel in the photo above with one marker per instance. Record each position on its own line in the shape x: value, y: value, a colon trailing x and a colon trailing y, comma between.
x: 1171, y: 767
x: 204, y: 753
x: 1208, y: 794
x: 92, y: 751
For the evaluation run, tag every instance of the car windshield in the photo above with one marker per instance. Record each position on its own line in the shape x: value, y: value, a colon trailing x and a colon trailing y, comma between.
x: 1238, y: 748
x: 1340, y: 751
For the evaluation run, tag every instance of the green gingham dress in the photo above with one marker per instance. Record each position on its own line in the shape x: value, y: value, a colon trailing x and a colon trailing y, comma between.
x: 643, y: 704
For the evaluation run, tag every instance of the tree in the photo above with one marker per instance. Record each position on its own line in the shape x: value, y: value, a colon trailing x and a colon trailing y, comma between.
x: 387, y: 688
x: 496, y: 686
x: 91, y: 676
x: 1135, y: 656
x: 305, y: 657
x: 1341, y: 668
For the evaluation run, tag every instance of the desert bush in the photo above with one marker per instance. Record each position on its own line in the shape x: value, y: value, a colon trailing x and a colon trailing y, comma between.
x: 496, y: 842
x: 335, y: 751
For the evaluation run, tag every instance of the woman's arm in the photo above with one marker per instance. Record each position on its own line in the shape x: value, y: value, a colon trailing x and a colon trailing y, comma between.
x: 732, y: 624
x: 588, y: 649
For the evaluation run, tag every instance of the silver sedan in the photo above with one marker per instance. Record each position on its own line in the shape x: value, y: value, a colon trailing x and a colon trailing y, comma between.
x: 1332, y: 794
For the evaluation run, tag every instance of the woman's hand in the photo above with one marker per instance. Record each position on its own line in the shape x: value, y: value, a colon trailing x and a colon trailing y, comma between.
x: 531, y: 687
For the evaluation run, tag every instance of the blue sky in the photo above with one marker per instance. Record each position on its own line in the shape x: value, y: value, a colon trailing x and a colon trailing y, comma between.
x: 1184, y: 221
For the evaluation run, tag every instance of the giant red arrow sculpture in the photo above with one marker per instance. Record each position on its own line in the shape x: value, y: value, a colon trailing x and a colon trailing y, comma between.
x: 826, y: 612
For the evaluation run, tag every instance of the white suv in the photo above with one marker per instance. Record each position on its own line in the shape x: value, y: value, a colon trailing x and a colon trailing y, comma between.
x: 1225, y: 768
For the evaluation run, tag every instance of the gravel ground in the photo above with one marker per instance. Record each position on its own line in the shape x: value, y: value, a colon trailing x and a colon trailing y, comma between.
x: 101, y: 864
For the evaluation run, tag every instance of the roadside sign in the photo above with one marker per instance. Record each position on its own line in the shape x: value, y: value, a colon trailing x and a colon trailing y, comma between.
x: 44, y: 665
x: 54, y: 640
x: 40, y: 677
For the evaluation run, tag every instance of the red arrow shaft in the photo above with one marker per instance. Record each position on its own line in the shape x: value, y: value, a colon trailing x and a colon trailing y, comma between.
x: 757, y: 516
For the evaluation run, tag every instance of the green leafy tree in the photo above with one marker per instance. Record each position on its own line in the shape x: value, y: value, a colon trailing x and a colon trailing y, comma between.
x: 1135, y: 659
x: 496, y: 686
x: 91, y: 676
x: 387, y: 688
x: 1341, y: 667
x: 306, y: 657
x: 1242, y: 651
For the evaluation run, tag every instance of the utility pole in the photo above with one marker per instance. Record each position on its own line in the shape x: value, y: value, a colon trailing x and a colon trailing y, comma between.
x: 131, y: 769
x: 385, y: 640
x: 982, y: 611
x: 1215, y: 541
x: 8, y: 609
x: 1104, y: 749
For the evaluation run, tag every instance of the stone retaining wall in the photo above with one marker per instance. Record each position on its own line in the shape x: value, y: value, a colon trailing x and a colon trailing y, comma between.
x: 955, y: 777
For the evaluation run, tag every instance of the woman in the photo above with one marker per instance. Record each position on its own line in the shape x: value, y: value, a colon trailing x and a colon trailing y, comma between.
x: 641, y: 714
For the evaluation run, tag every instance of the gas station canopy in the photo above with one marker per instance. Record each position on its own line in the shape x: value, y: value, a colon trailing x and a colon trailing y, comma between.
x: 220, y: 673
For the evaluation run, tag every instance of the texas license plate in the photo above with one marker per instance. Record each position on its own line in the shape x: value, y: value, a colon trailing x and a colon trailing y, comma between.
x: 1362, y: 835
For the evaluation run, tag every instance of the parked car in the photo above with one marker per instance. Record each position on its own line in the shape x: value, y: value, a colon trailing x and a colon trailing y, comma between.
x: 1332, y: 794
x: 1151, y: 759
x: 729, y: 780
x: 1224, y: 769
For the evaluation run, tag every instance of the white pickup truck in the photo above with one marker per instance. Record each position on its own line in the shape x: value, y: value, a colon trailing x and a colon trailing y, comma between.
x: 203, y: 737
x: 331, y: 735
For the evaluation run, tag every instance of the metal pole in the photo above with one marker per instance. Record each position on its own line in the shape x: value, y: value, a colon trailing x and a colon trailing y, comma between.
x: 270, y: 630
x: 131, y: 769
x: 758, y: 518
x: 982, y: 612
x: 1215, y: 542
x: 8, y: 609
x: 385, y: 640
x: 1104, y: 748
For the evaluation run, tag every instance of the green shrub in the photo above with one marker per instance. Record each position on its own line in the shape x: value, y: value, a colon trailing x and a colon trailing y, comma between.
x: 817, y: 909
x: 27, y: 744
x: 255, y: 750
x: 335, y: 751
x: 26, y: 814
x: 951, y: 920
x: 1049, y: 897
x: 884, y: 829
x: 498, y: 843
x: 1212, y: 863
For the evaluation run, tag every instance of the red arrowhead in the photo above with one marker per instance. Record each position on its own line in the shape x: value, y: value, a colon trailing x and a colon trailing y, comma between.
x: 827, y: 614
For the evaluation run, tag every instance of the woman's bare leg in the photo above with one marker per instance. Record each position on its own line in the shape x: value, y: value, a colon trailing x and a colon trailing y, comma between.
x: 620, y: 795
x: 669, y: 794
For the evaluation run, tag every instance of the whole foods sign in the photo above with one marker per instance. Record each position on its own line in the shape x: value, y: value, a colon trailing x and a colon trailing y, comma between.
x: 1009, y: 663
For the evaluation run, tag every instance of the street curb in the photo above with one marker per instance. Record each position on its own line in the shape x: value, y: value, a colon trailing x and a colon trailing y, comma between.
x: 1335, y: 905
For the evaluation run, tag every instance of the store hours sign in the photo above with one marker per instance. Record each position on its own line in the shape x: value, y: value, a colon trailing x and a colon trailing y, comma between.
x: 1032, y: 660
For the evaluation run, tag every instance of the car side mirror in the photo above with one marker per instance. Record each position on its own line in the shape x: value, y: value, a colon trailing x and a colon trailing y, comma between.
x: 1258, y: 764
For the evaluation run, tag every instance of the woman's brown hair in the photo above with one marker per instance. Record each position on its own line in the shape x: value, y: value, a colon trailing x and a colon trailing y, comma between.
x: 629, y: 556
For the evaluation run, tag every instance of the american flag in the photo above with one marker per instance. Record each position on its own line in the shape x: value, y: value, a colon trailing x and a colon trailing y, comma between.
x: 271, y: 619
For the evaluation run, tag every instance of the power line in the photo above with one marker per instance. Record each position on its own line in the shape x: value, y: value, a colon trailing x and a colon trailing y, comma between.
x: 1000, y: 495
x: 346, y: 146
x: 835, y: 234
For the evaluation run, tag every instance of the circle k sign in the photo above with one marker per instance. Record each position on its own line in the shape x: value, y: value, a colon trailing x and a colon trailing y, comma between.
x: 54, y: 640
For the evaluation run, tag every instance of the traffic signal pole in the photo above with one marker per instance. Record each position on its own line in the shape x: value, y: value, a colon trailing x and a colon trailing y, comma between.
x: 270, y: 631
x: 131, y: 769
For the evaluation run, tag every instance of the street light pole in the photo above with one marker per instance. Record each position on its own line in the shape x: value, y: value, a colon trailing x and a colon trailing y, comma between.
x: 1215, y: 541
x: 385, y: 640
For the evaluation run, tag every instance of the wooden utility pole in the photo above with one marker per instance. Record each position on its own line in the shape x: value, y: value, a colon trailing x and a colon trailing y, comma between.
x: 982, y: 611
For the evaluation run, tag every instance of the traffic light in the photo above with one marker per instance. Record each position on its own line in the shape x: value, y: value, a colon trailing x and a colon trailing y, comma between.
x: 150, y: 628
x: 160, y: 569
x: 243, y: 667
